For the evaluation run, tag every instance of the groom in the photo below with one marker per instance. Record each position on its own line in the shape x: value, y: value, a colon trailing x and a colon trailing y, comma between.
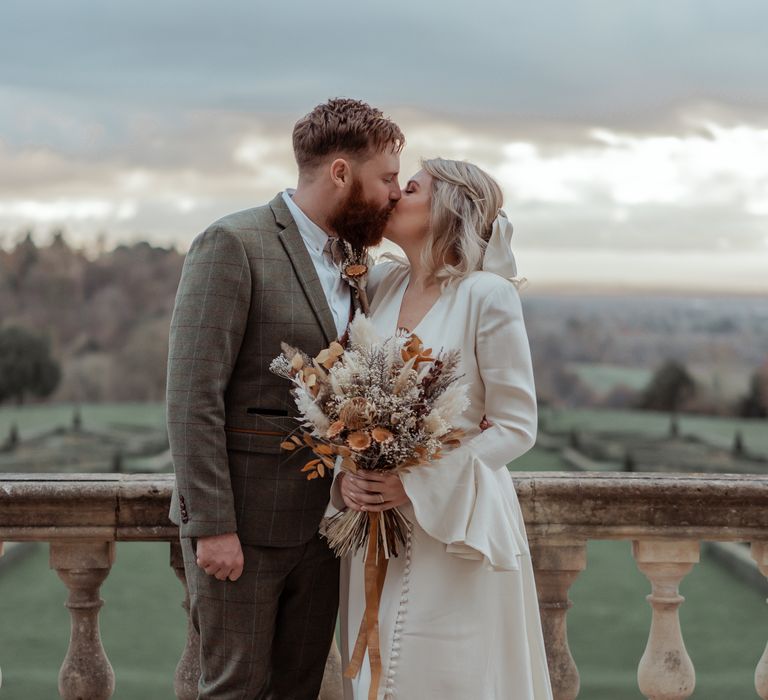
x: 263, y: 586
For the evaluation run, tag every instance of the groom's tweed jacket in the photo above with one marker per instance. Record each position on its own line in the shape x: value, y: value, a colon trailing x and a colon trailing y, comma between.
x: 247, y: 284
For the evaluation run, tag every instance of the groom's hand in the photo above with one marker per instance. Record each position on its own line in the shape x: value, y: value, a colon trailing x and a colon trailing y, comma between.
x: 221, y: 556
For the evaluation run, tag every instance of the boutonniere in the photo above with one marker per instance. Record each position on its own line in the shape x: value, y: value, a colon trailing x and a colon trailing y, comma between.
x: 354, y: 269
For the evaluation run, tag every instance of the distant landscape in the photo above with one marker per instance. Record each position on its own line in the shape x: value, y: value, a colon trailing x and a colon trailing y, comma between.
x: 106, y: 315
x: 594, y: 349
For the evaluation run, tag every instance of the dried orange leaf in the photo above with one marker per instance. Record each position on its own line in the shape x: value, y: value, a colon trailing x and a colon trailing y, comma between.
x: 321, y: 469
x: 288, y: 445
x: 324, y: 450
x: 335, y: 429
x: 311, y: 476
x: 310, y: 465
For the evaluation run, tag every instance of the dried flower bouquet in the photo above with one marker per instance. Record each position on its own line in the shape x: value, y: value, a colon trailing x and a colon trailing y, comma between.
x: 385, y: 405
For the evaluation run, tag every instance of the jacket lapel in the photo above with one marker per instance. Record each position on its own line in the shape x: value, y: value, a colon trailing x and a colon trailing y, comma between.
x: 304, y: 267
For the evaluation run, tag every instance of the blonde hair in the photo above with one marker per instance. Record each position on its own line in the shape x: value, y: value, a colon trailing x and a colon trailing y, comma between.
x: 343, y: 126
x: 465, y: 202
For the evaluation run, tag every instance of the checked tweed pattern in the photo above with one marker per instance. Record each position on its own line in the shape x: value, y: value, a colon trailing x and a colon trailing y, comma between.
x: 247, y: 284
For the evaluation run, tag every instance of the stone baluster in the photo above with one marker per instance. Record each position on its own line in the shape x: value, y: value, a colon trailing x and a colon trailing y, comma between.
x: 1, y: 670
x: 665, y: 671
x: 332, y: 678
x: 760, y: 555
x: 83, y: 566
x: 557, y: 564
x: 188, y: 669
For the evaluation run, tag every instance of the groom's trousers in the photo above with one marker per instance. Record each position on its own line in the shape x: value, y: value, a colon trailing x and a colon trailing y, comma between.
x: 267, y: 635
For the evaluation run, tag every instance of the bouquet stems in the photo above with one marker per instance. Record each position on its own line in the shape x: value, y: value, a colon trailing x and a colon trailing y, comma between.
x: 350, y: 530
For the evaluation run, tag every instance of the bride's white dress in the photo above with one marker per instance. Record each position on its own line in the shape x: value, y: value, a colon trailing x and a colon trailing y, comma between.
x: 459, y: 616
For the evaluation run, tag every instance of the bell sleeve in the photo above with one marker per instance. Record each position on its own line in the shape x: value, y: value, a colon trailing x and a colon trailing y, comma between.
x: 467, y: 498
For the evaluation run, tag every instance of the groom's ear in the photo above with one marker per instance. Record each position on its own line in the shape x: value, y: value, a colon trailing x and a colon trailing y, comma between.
x: 341, y: 173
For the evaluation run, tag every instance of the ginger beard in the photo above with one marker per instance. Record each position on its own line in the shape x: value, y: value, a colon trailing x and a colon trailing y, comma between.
x: 359, y: 222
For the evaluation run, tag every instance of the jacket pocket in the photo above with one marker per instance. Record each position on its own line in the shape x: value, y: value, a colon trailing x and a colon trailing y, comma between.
x: 261, y: 434
x: 266, y: 411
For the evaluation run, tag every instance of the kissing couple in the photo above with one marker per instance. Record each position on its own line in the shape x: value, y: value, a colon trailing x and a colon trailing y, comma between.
x: 458, y: 616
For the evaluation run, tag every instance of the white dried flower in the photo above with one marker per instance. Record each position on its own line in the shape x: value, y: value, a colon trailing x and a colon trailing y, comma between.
x: 435, y: 425
x: 309, y: 409
x: 362, y: 333
x: 452, y: 402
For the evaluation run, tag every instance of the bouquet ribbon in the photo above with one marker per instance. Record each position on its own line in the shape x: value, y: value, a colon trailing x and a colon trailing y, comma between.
x: 368, y: 636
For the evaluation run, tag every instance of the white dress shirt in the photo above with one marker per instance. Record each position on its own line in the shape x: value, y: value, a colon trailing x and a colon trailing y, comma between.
x: 336, y: 290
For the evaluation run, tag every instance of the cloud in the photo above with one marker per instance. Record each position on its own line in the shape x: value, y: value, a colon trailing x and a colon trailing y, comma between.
x: 630, y: 128
x: 704, y: 189
x: 592, y: 61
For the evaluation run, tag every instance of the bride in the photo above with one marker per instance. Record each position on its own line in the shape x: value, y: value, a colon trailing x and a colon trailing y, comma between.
x: 459, y: 616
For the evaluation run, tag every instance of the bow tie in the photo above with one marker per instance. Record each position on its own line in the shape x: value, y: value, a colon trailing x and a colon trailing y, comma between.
x: 334, y: 250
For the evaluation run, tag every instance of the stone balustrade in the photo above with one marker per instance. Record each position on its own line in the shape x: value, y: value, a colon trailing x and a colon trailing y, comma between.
x: 665, y: 516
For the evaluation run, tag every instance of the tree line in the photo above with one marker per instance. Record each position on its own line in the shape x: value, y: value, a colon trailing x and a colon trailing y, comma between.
x: 95, y: 328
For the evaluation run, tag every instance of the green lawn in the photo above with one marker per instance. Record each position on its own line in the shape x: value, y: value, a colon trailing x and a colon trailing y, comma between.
x: 142, y: 623
x: 539, y: 460
x: 727, y: 381
x: 754, y: 431
x: 602, y: 378
x: 143, y: 626
x: 38, y: 418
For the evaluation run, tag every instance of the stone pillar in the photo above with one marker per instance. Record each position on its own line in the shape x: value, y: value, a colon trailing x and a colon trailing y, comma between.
x: 83, y: 566
x: 557, y: 563
x: 665, y: 671
x: 188, y: 669
x: 332, y: 678
x: 760, y: 555
x: 1, y: 670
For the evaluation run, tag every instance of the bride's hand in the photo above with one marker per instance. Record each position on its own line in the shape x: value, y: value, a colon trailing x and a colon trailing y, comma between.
x: 348, y: 492
x: 373, y: 491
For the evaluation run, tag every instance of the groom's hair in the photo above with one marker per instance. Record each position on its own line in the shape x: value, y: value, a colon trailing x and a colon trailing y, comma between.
x: 344, y: 126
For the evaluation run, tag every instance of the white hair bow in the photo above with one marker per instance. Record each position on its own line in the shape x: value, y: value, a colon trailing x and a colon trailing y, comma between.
x: 499, y: 257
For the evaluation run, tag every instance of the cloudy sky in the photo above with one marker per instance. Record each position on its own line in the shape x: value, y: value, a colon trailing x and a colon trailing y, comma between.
x: 630, y: 138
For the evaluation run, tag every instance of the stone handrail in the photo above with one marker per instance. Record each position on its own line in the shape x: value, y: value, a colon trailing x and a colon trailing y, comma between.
x: 664, y: 515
